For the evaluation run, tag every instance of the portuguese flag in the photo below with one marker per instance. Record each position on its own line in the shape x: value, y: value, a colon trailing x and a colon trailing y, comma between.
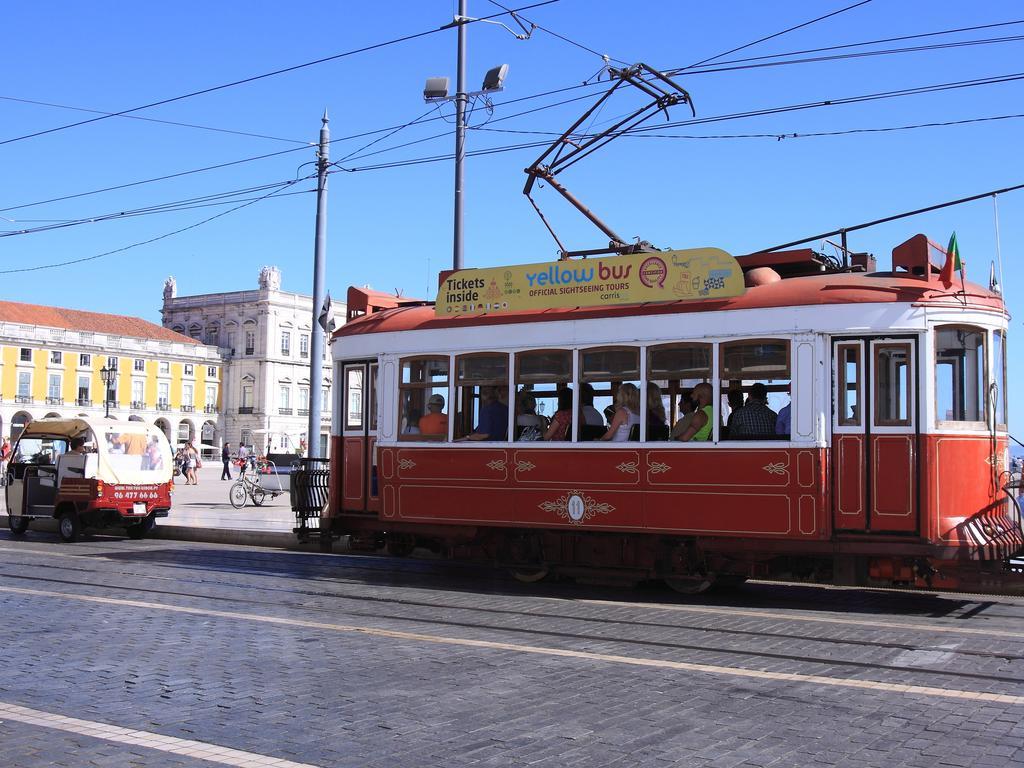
x: 953, y: 263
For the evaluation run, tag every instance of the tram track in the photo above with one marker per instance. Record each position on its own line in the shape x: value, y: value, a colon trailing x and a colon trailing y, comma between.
x: 575, y: 637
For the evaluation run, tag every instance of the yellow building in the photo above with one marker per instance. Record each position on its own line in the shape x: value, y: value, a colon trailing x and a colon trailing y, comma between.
x: 52, y: 362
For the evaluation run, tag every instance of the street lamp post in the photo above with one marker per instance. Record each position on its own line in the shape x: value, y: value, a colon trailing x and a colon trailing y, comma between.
x: 107, y: 375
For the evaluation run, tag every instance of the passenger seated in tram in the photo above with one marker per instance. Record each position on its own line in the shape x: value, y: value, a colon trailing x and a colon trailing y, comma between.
x: 782, y: 423
x: 687, y: 407
x: 755, y: 419
x: 493, y: 417
x: 735, y: 397
x: 434, y: 422
x: 561, y: 422
x: 657, y: 421
x: 701, y: 425
x: 627, y: 414
x: 412, y: 423
x: 529, y: 425
x: 591, y: 415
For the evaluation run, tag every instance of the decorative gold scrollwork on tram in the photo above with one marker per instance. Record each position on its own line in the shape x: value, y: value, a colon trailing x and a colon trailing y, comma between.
x: 524, y: 466
x: 657, y: 467
x: 498, y: 465
x: 406, y: 463
x: 576, y: 507
x: 628, y: 467
x: 775, y: 468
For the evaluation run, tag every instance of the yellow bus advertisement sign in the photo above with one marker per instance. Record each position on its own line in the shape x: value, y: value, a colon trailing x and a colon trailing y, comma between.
x: 694, y: 274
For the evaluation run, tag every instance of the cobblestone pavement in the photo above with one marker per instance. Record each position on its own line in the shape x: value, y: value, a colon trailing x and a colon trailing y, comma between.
x: 156, y: 653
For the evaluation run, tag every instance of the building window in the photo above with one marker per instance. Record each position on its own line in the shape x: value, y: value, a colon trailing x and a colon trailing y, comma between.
x: 303, y: 400
x: 139, y: 365
x: 187, y: 395
x: 959, y: 374
x: 112, y: 391
x: 286, y: 343
x: 481, y: 393
x: 246, y: 396
x: 303, y: 345
x: 53, y: 390
x: 25, y: 355
x: 165, y: 367
x: 83, y: 390
x: 138, y: 393
x: 211, y: 397
x: 286, y: 396
x: 423, y: 390
x: 56, y: 358
x: 163, y: 394
x: 112, y: 363
x: 211, y: 372
x: 250, y: 342
x: 195, y: 331
x: 189, y: 369
x: 24, y: 384
x: 85, y: 361
x: 212, y: 335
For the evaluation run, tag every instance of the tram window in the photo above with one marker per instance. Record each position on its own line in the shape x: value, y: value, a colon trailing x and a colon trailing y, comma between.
x: 892, y: 385
x: 481, y: 390
x: 606, y: 371
x: 423, y: 399
x: 848, y: 409
x: 675, y: 369
x: 354, y: 397
x: 959, y: 374
x: 999, y: 363
x: 755, y: 389
x: 540, y: 376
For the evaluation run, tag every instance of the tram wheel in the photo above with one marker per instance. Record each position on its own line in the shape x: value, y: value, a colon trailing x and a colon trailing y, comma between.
x: 401, y: 546
x: 237, y: 495
x: 258, y: 496
x: 17, y: 524
x: 530, y: 575
x: 69, y: 526
x: 689, y: 585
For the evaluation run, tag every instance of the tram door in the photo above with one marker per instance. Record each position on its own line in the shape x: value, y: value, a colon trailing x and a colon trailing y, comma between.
x: 875, y: 435
x: 359, y: 491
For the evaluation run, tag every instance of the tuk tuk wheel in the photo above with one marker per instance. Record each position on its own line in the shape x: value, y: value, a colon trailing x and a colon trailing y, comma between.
x: 139, y: 530
x: 258, y: 496
x: 69, y: 526
x: 17, y: 524
x: 237, y: 495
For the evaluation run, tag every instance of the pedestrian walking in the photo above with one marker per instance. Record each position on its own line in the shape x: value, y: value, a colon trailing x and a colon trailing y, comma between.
x: 225, y: 456
x: 193, y: 462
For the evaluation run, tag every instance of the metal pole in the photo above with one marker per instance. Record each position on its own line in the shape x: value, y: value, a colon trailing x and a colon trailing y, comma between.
x: 316, y: 341
x: 460, y: 136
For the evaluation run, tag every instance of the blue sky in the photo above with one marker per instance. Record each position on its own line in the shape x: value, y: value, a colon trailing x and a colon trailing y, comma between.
x: 392, y: 228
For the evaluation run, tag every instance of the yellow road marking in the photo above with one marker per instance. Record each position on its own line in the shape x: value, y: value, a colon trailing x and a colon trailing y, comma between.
x: 184, y: 747
x: 713, y: 669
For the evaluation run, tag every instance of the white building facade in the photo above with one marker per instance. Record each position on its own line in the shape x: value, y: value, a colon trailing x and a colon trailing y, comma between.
x: 264, y: 337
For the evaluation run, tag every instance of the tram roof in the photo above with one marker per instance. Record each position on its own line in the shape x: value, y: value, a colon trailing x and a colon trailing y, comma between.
x: 828, y: 289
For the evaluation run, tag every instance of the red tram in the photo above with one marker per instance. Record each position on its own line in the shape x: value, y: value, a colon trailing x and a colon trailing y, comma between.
x: 891, y: 469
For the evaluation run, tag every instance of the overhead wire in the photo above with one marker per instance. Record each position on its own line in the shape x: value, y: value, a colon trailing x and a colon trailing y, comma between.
x: 254, y: 78
x: 779, y: 34
x: 603, y: 56
x: 69, y: 262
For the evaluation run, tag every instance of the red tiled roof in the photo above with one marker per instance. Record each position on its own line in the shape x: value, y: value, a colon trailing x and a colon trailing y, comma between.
x: 96, y: 322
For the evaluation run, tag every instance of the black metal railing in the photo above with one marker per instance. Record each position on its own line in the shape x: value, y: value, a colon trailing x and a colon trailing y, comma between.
x: 284, y: 411
x: 310, y: 483
x: 245, y: 409
x: 83, y: 402
x: 210, y: 409
x: 138, y: 405
x: 187, y: 408
x: 55, y: 401
x: 23, y: 398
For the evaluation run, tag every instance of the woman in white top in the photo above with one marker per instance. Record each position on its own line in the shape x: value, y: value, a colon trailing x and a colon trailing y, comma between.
x: 627, y: 413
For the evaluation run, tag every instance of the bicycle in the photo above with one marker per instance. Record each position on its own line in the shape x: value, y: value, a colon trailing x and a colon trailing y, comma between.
x: 250, y: 486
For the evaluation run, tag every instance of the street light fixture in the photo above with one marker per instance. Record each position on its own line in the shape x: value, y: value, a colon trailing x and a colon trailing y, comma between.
x: 107, y: 375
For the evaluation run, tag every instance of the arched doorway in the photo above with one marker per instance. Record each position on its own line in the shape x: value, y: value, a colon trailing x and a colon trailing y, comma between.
x: 208, y: 433
x: 19, y: 421
x: 52, y: 415
x: 186, y: 432
x: 164, y: 426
